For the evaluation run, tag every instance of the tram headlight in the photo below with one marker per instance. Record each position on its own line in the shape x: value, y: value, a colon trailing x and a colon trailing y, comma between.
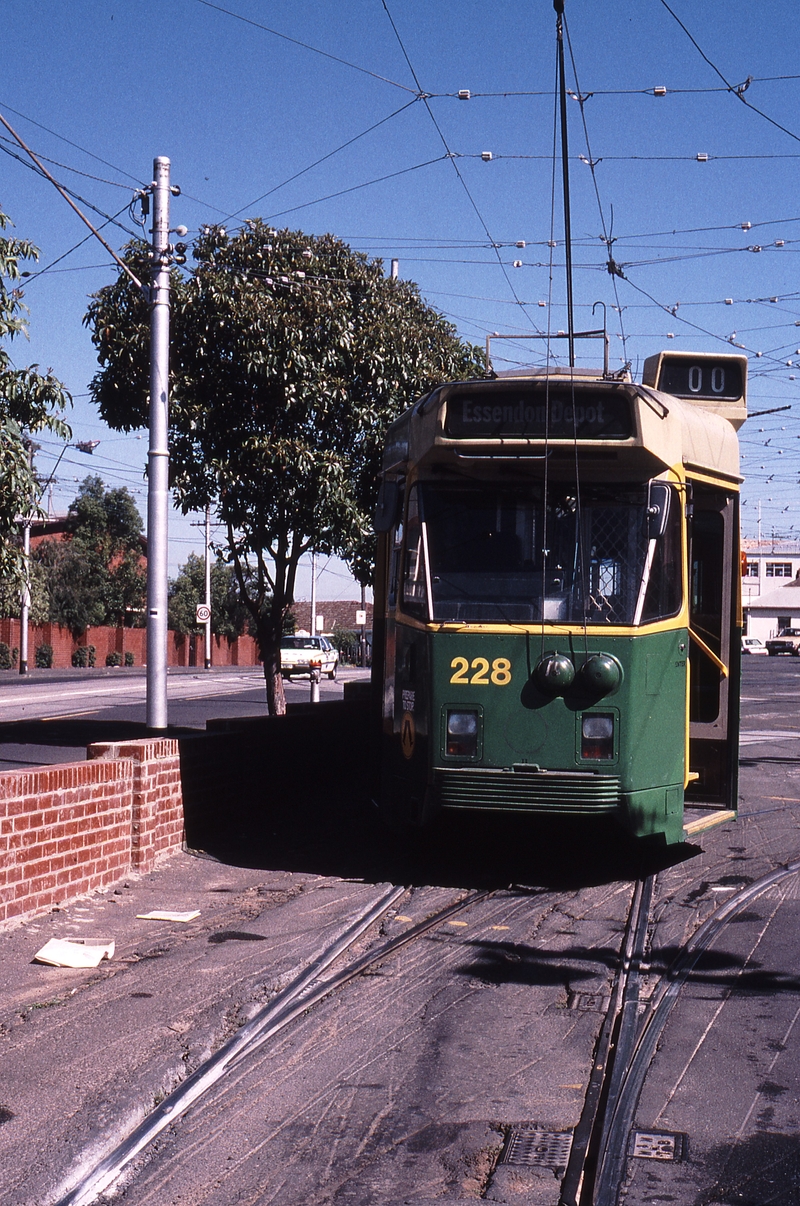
x: 462, y: 733
x: 554, y: 673
x: 601, y: 673
x: 597, y: 735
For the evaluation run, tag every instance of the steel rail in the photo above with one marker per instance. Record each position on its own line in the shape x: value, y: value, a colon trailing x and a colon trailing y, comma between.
x: 613, y: 1047
x: 623, y: 1106
x: 274, y: 1017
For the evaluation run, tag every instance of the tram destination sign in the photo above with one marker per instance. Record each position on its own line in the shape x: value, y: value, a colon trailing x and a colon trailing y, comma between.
x: 491, y: 413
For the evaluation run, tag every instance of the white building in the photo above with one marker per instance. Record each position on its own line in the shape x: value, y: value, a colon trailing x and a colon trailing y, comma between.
x: 770, y: 586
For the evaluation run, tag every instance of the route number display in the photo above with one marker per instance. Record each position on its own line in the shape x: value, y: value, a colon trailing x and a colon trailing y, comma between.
x: 709, y: 379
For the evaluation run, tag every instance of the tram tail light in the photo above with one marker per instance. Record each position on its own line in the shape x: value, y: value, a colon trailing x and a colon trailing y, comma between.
x: 462, y: 734
x: 597, y: 736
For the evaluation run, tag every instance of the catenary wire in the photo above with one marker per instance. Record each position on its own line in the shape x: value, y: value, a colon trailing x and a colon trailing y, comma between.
x: 449, y: 155
x: 305, y: 45
x: 69, y: 142
x: 323, y: 158
x: 737, y: 90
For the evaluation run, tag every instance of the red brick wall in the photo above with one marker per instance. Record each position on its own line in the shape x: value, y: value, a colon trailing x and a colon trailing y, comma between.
x: 156, y: 808
x: 70, y: 829
x: 181, y: 651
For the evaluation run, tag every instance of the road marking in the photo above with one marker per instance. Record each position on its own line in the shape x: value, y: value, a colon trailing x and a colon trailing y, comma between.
x: 751, y: 738
x: 459, y: 923
x: 500, y: 927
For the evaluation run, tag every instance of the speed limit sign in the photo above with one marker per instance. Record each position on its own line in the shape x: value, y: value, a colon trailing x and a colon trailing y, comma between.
x: 202, y: 613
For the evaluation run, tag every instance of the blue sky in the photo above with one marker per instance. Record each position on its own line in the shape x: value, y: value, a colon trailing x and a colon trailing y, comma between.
x: 246, y: 115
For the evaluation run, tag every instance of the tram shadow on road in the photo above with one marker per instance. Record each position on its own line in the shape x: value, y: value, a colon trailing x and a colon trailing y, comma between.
x: 264, y: 796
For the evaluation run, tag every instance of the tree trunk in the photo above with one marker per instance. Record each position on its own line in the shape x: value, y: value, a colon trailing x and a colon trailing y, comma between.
x: 270, y: 649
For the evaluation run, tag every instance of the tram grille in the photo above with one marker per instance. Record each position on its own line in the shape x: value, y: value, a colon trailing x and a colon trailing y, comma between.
x: 535, y: 791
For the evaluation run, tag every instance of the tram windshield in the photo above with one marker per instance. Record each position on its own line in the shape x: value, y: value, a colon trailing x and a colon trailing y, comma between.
x: 598, y: 554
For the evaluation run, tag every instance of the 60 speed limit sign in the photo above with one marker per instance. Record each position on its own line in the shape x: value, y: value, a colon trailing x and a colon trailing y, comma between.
x: 202, y: 613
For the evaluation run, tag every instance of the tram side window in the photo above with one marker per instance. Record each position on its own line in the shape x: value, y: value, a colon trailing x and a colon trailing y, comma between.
x: 665, y: 586
x: 707, y: 568
x: 394, y: 565
x: 414, y: 575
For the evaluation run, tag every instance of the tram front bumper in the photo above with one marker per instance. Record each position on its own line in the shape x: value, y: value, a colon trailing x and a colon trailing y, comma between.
x: 564, y: 793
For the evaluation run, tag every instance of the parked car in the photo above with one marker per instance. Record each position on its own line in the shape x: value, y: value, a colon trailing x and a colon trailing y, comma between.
x: 753, y: 645
x: 298, y: 652
x: 787, y: 641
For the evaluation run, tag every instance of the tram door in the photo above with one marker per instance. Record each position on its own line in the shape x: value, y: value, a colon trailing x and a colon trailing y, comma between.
x: 714, y: 648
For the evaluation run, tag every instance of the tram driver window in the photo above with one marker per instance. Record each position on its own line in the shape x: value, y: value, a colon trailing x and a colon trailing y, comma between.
x: 414, y: 571
x: 523, y: 554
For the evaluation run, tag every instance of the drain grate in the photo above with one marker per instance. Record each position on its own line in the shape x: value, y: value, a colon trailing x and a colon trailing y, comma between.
x: 658, y: 1145
x: 594, y: 1002
x: 538, y: 1148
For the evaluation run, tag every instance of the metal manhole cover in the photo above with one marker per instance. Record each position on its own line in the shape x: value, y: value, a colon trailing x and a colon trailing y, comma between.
x: 658, y: 1145
x: 538, y: 1148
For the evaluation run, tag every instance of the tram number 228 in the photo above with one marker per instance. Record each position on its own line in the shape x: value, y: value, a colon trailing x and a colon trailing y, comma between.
x: 480, y: 672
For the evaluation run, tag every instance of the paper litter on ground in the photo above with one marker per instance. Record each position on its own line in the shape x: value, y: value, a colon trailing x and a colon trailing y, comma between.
x: 61, y: 952
x: 168, y: 915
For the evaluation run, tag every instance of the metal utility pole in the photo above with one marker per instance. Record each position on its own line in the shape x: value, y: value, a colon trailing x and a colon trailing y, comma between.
x: 558, y: 5
x: 313, y: 594
x: 158, y: 456
x: 26, y: 596
x: 208, y: 590
x: 314, y: 674
x: 25, y: 600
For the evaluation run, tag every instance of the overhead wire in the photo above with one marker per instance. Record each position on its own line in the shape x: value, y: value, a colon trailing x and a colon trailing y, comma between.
x: 737, y: 90
x: 77, y: 196
x: 305, y: 45
x: 30, y: 278
x: 449, y: 154
x: 62, y: 138
x: 765, y: 79
x: 323, y: 158
x: 76, y: 171
x: 354, y: 188
x: 607, y: 239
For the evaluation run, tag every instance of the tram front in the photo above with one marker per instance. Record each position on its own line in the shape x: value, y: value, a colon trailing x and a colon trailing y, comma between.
x: 537, y: 608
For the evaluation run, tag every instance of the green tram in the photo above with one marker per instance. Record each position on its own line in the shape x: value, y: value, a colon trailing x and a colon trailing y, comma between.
x: 558, y: 603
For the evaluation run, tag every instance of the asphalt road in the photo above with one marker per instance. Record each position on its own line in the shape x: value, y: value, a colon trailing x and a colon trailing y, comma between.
x: 50, y: 716
x: 402, y: 1086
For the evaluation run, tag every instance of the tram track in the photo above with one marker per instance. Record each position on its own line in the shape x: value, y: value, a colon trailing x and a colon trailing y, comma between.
x: 306, y: 990
x: 623, y: 1054
x: 628, y: 1040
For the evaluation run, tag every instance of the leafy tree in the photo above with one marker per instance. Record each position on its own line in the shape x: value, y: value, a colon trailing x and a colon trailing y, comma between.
x: 290, y: 355
x: 228, y: 615
x: 96, y: 576
x: 11, y: 596
x: 29, y: 401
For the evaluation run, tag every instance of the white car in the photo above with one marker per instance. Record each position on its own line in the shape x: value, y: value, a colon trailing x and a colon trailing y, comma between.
x: 753, y: 645
x: 298, y: 653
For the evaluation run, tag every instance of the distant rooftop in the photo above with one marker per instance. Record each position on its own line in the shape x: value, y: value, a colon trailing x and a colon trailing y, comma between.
x: 791, y: 548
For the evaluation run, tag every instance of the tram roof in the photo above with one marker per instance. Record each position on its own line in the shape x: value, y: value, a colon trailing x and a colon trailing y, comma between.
x: 665, y: 430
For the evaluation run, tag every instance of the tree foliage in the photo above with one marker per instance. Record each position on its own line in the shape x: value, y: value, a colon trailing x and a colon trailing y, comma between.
x: 290, y: 355
x: 11, y: 596
x: 96, y: 576
x: 29, y: 401
x: 229, y: 616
